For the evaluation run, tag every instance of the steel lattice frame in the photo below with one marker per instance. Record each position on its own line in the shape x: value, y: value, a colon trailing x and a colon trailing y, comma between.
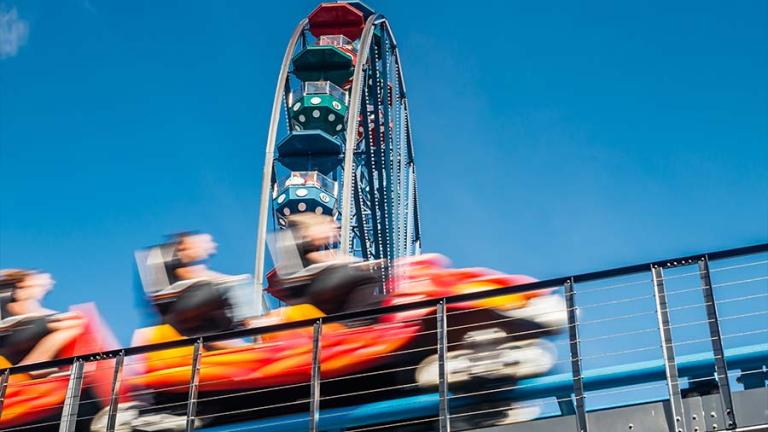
x: 378, y: 206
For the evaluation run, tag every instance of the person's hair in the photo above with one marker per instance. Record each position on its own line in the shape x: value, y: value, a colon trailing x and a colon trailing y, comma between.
x: 11, y: 278
x: 181, y: 235
x: 303, y: 221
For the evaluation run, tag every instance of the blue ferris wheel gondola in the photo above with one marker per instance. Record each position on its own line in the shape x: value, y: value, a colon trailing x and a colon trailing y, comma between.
x: 310, y: 150
x: 309, y: 142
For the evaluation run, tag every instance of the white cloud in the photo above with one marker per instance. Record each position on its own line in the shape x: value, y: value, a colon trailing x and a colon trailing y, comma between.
x: 13, y: 33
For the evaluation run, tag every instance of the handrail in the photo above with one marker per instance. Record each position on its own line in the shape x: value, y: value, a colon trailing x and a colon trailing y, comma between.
x: 366, y: 313
x: 408, y: 407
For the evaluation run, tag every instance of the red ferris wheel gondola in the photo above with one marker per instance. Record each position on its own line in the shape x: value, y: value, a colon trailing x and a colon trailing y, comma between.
x: 336, y: 19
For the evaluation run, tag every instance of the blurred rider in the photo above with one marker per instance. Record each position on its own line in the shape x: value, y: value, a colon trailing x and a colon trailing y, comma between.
x: 29, y: 332
x: 330, y: 281
x: 177, y: 281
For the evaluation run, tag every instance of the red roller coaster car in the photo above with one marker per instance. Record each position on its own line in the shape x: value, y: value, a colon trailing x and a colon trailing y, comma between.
x: 514, y: 325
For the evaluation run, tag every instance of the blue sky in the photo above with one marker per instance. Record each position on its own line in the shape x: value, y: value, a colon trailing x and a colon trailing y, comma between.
x: 550, y: 138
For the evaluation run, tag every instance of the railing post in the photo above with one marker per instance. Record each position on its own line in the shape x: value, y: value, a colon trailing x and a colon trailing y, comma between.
x: 314, y: 416
x: 677, y: 421
x: 442, y: 359
x: 3, y: 385
x: 72, y: 399
x: 573, y: 338
x: 193, y: 385
x: 721, y: 369
x: 113, y: 400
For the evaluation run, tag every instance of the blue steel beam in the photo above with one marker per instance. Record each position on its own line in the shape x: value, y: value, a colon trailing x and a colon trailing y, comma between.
x: 359, y: 217
x: 389, y: 150
x: 367, y: 159
x: 379, y: 150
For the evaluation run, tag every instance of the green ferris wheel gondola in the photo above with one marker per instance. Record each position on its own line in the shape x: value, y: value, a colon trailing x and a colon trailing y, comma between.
x: 324, y: 63
x: 322, y: 106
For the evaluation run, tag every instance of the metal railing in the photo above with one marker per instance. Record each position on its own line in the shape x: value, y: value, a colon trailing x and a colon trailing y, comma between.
x: 681, y: 373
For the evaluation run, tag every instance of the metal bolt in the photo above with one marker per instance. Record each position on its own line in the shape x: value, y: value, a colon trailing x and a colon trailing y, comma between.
x: 696, y: 429
x: 631, y: 426
x: 713, y: 415
x: 694, y: 417
x: 678, y: 419
x: 714, y: 426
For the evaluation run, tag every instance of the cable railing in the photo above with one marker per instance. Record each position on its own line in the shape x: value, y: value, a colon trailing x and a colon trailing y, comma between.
x: 633, y: 344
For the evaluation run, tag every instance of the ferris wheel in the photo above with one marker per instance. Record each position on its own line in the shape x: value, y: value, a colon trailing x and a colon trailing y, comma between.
x: 339, y: 140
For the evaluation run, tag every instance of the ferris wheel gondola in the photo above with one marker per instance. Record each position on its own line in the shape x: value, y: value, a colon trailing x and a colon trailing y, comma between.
x: 341, y: 104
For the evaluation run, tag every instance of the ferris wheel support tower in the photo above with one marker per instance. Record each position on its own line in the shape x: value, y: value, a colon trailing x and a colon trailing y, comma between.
x: 347, y: 148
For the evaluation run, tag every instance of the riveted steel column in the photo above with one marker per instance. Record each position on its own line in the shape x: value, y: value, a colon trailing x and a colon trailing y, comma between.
x: 677, y: 421
x: 721, y: 369
x: 369, y: 166
x: 3, y: 385
x: 72, y: 400
x: 573, y: 338
x: 194, y: 382
x: 380, y: 153
x: 314, y: 396
x: 114, y: 399
x: 442, y: 360
x: 387, y: 148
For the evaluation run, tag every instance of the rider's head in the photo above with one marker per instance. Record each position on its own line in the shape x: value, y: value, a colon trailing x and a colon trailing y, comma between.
x: 20, y: 285
x: 314, y: 230
x: 194, y: 247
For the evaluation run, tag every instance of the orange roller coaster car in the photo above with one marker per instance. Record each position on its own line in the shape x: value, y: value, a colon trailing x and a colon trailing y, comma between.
x: 285, y: 358
x: 32, y: 399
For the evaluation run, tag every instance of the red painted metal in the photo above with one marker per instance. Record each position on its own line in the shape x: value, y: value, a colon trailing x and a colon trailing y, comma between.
x: 336, y: 19
x: 32, y: 398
